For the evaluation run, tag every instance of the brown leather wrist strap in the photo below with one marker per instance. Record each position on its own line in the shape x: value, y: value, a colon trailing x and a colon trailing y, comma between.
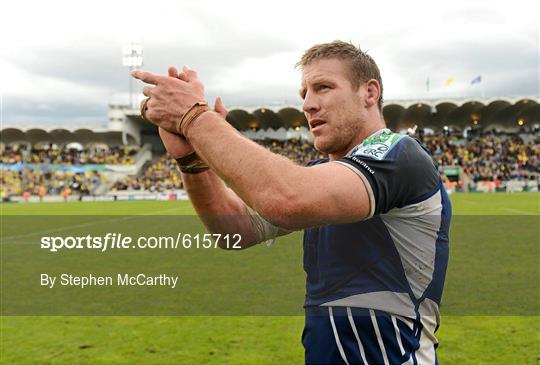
x: 191, y: 164
x: 193, y: 113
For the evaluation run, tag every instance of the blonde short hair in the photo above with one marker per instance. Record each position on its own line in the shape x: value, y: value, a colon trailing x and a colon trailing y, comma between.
x: 362, y: 66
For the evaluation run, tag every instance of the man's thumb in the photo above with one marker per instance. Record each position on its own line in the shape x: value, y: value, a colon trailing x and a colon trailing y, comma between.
x: 220, y: 108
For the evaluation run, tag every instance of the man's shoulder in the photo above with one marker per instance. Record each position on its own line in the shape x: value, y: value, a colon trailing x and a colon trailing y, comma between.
x: 396, y: 167
x: 386, y: 145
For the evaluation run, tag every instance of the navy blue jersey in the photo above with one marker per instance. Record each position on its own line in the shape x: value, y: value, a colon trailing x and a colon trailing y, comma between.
x: 395, y: 260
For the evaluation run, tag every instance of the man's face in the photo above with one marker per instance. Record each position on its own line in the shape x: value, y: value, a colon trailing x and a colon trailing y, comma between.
x: 334, y: 109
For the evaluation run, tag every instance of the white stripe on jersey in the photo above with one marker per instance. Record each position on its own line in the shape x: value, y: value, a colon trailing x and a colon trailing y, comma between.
x: 338, y: 342
x: 379, y: 338
x: 360, y: 347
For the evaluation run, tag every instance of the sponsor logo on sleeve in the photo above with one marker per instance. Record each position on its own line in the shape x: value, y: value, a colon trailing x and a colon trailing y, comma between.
x: 363, y: 164
x: 377, y: 146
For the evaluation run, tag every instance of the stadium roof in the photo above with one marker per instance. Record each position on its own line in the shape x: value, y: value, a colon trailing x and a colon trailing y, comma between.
x: 127, y: 127
x: 505, y: 113
x: 61, y: 136
x: 500, y: 113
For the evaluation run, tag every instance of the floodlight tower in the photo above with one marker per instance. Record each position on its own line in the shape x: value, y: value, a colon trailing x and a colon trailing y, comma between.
x: 132, y: 57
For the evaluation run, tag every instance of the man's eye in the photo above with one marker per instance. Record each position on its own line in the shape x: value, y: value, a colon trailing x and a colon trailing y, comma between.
x: 324, y: 87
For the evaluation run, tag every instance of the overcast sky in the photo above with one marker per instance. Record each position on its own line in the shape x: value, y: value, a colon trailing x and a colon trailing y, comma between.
x: 61, y: 61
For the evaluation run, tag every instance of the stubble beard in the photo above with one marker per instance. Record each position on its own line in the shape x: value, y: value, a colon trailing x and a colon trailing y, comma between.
x: 343, y: 137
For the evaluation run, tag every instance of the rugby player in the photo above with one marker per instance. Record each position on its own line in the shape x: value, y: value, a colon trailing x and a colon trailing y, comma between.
x: 375, y: 213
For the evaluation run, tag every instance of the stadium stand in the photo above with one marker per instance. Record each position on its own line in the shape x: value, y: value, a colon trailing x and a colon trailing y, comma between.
x: 497, y: 158
x: 16, y: 183
x: 489, y: 157
x: 71, y: 154
x: 160, y: 176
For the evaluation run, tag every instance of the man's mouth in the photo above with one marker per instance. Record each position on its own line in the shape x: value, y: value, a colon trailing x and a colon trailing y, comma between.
x: 315, y: 123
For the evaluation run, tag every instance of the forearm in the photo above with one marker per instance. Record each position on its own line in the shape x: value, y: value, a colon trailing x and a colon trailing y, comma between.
x: 220, y: 209
x: 260, y: 178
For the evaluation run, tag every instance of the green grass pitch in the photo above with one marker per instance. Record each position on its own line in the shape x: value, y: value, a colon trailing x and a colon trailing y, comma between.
x: 465, y: 337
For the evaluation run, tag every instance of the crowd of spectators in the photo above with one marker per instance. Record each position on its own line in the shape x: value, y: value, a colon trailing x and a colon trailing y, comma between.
x: 71, y: 154
x: 34, y: 182
x: 299, y: 151
x: 488, y: 157
x: 485, y: 157
x: 162, y: 175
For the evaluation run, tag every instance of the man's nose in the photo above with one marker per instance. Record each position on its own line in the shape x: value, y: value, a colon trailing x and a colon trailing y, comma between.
x: 311, y: 104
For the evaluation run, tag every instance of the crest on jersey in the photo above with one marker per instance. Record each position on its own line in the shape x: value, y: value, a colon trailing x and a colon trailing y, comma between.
x: 377, y: 146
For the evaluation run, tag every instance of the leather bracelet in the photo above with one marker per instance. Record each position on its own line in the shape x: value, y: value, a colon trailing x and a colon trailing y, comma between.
x: 193, y: 113
x: 191, y: 164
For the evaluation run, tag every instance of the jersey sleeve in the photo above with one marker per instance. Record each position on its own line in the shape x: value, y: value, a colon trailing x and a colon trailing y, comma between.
x: 396, y: 173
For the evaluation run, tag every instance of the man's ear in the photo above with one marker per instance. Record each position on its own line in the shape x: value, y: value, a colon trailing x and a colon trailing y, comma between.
x: 373, y: 93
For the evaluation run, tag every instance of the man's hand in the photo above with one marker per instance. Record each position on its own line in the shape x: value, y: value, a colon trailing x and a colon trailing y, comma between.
x: 171, y: 96
x: 176, y: 145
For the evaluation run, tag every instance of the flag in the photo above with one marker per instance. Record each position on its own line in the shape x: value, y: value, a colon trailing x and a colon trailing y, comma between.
x: 449, y: 81
x: 476, y: 80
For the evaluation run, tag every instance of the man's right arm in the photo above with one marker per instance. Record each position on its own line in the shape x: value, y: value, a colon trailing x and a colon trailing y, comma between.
x: 218, y: 206
x: 220, y: 209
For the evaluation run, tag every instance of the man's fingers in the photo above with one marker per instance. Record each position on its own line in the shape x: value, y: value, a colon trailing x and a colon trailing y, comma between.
x: 219, y: 107
x: 190, y: 73
x: 145, y: 76
x: 144, y: 110
x: 147, y: 90
x: 182, y: 76
x: 173, y: 72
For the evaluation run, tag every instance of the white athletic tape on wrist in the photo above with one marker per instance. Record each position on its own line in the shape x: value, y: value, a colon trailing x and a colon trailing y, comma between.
x: 265, y: 231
